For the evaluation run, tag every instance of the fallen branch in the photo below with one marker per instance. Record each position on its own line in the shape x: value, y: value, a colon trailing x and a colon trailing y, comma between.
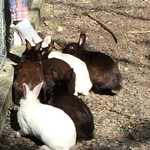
x: 136, y: 32
x: 102, y: 25
x: 120, y: 113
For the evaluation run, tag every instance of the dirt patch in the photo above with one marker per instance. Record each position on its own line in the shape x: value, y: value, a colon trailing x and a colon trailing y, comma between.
x: 122, y: 122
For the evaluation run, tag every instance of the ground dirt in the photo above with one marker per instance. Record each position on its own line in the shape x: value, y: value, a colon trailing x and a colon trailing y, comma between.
x: 122, y: 122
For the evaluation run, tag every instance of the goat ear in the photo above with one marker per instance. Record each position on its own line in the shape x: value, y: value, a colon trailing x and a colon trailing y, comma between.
x: 82, y: 39
x: 25, y: 90
x: 37, y: 89
x: 68, y: 75
x: 38, y: 46
x: 55, y: 76
x: 28, y: 45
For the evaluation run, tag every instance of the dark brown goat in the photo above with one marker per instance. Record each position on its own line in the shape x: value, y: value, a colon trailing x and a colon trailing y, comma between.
x: 59, y: 65
x: 29, y: 71
x: 72, y: 105
x: 104, y: 72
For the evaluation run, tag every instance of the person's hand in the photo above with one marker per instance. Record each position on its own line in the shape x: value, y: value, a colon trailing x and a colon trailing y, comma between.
x: 26, y: 31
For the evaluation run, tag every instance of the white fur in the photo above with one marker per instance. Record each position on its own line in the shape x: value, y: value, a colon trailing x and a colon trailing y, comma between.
x: 83, y: 83
x: 51, y: 125
x: 46, y: 41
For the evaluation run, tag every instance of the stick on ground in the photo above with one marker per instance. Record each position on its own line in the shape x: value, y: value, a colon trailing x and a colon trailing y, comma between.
x: 102, y: 25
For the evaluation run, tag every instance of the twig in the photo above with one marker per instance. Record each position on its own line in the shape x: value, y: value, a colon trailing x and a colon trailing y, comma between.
x: 120, y: 113
x: 136, y: 31
x: 102, y: 25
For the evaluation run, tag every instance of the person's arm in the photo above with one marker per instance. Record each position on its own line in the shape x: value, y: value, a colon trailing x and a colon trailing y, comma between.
x: 19, y: 10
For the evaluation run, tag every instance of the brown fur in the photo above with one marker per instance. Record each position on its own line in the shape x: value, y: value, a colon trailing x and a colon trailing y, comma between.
x: 72, y: 105
x: 104, y: 72
x: 59, y: 65
x: 29, y: 71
